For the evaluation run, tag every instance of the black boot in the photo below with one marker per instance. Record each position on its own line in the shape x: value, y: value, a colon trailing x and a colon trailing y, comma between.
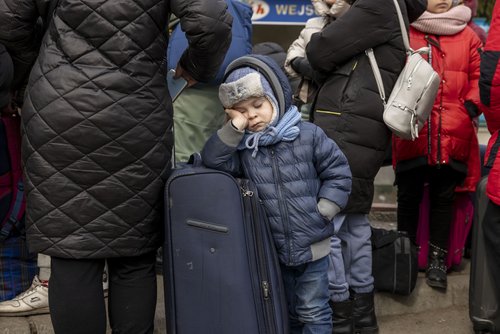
x: 365, y: 321
x: 343, y: 322
x: 436, y: 268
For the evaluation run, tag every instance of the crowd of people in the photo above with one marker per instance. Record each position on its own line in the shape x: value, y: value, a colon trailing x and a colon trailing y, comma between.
x: 88, y: 82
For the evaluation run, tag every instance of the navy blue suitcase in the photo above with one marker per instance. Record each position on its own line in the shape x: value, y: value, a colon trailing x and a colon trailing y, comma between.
x: 221, y: 269
x: 484, y: 310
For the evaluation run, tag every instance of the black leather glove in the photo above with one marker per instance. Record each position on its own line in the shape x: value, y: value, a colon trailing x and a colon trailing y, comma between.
x: 471, y: 108
x: 301, y: 65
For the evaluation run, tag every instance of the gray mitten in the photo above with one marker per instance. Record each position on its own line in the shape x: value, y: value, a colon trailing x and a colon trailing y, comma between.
x: 327, y: 209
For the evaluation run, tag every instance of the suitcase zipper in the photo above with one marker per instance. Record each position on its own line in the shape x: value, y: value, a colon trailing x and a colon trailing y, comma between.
x: 262, y: 265
x: 246, y: 192
x: 265, y: 289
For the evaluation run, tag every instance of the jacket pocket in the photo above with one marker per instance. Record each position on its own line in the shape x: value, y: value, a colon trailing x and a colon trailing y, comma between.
x: 325, y: 220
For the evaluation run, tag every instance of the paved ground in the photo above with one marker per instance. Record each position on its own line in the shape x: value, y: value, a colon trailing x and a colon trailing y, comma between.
x: 451, y: 320
x: 424, y: 312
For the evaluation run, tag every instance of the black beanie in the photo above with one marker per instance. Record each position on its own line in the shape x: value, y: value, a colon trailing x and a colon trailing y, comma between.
x: 6, y: 76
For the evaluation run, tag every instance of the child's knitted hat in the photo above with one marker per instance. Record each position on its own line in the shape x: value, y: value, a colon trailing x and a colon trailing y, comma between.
x: 244, y: 83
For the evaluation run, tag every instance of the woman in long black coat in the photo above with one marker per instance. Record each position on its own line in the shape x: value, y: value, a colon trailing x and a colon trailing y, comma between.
x: 348, y: 107
x: 97, y: 142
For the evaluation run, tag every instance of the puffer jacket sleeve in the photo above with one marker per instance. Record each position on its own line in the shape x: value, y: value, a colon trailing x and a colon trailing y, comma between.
x: 298, y: 47
x: 332, y: 168
x: 489, y: 83
x: 489, y: 86
x: 207, y: 25
x: 474, y: 63
x: 366, y: 24
x: 21, y: 33
x: 222, y: 154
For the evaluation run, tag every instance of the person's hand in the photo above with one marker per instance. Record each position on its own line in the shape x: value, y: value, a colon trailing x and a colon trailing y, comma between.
x: 328, y: 209
x: 237, y: 119
x: 11, y: 109
x: 302, y: 66
x: 471, y: 108
x: 180, y: 72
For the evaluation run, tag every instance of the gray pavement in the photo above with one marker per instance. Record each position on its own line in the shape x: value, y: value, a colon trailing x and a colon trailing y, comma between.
x: 426, y: 311
x: 450, y: 320
x: 41, y: 324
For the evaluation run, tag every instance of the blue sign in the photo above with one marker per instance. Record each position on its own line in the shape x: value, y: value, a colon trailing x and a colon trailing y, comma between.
x: 281, y: 12
x: 481, y: 21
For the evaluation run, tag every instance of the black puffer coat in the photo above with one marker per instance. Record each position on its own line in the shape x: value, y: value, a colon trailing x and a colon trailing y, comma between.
x: 97, y: 117
x: 348, y: 105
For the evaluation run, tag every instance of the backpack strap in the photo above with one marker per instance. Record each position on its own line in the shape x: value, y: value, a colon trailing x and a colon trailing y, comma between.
x: 14, y: 217
x: 409, y: 51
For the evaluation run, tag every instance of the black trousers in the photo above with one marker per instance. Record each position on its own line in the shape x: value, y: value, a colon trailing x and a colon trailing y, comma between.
x: 491, y: 226
x: 76, y: 297
x: 442, y: 182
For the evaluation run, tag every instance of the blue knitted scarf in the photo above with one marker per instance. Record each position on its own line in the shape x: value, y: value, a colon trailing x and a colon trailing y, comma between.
x: 285, y: 130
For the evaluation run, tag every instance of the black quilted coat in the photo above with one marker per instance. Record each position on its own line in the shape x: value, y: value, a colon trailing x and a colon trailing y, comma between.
x: 348, y: 105
x: 97, y: 117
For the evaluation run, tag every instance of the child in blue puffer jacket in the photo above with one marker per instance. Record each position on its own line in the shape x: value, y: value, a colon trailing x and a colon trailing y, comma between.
x: 302, y: 177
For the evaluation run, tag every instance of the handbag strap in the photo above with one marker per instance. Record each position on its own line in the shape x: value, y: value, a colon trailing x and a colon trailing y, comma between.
x: 404, y: 33
x: 376, y: 73
x: 373, y: 61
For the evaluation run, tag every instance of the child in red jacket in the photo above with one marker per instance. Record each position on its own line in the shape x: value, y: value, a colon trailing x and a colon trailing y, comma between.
x: 446, y: 152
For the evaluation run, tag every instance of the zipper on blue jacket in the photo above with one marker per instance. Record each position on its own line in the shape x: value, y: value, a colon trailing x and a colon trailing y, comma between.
x: 283, y: 211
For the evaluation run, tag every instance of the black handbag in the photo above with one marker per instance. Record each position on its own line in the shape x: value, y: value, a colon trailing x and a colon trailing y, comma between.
x: 395, y: 261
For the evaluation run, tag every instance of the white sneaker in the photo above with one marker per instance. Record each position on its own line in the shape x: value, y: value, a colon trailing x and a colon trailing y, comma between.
x: 35, y: 300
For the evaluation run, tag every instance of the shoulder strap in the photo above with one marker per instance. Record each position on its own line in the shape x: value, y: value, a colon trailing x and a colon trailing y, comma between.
x: 373, y: 60
x: 404, y: 33
x: 376, y: 73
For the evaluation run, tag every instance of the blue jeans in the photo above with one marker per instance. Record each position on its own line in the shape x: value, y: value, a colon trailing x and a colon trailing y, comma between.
x: 306, y: 288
